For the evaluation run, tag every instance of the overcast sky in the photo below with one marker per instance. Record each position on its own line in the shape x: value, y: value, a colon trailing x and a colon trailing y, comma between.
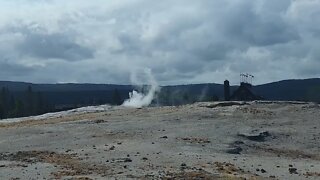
x: 181, y: 41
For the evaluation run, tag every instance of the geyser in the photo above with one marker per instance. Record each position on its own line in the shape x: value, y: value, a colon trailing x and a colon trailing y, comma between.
x: 138, y: 100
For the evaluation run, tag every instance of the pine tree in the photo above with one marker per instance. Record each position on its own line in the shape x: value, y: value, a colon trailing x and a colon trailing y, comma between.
x: 11, y: 107
x: 29, y: 103
x: 19, y: 110
x: 37, y: 104
x: 4, y: 97
x: 1, y: 111
x: 116, y: 98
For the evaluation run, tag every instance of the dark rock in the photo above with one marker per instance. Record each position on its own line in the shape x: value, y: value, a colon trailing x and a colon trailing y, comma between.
x: 224, y: 104
x: 164, y: 137
x: 235, y: 150
x: 112, y: 148
x: 99, y: 121
x: 127, y: 160
x: 259, y: 137
x: 238, y: 142
x: 293, y: 171
x: 263, y: 171
x: 183, y: 164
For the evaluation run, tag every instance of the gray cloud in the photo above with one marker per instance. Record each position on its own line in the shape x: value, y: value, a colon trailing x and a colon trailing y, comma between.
x: 12, y: 70
x: 43, y: 45
x: 58, y: 46
x: 246, y: 24
x: 181, y: 41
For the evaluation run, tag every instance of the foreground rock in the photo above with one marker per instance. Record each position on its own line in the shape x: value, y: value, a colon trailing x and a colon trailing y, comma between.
x: 258, y: 140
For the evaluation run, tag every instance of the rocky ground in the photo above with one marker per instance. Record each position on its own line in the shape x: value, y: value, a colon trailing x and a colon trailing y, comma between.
x: 221, y: 140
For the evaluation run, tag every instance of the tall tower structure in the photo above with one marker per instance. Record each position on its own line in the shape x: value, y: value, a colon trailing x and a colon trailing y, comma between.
x: 246, y: 80
x: 226, y: 90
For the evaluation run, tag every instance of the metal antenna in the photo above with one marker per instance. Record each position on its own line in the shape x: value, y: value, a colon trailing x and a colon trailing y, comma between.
x: 252, y: 77
x: 246, y: 78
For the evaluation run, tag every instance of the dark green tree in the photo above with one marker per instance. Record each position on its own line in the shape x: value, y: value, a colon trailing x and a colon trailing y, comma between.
x: 19, y: 110
x: 1, y: 111
x: 116, y: 98
x: 30, y: 102
x: 185, y: 97
x: 39, y: 104
x: 12, y: 103
x: 6, y: 103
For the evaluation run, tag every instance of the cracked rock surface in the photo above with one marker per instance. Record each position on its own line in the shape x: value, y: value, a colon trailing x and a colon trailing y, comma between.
x: 258, y: 140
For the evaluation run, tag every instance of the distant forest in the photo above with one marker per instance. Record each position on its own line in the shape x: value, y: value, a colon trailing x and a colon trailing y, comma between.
x: 29, y: 102
x: 19, y: 99
x: 26, y: 103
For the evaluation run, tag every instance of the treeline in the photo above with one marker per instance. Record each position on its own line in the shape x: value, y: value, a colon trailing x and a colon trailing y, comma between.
x: 15, y: 104
x: 173, y: 97
x: 27, y: 103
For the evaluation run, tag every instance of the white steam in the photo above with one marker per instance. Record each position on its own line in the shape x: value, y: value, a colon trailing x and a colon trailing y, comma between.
x: 138, y: 100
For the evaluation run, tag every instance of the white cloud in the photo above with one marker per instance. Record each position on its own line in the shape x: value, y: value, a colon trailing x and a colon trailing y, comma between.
x: 182, y: 41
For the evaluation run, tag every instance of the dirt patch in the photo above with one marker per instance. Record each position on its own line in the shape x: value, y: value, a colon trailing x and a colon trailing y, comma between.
x: 117, y: 135
x: 296, y: 154
x: 230, y: 171
x: 312, y: 174
x: 225, y: 104
x: 81, y: 178
x: 227, y: 168
x: 70, y: 165
x: 257, y: 112
x: 51, y: 121
x: 217, y: 170
x: 195, y: 140
x: 190, y: 175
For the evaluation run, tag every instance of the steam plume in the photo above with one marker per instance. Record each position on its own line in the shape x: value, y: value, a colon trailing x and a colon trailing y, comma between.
x: 137, y: 99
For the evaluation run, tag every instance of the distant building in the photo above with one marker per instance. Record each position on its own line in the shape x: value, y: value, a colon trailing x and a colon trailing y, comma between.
x: 226, y: 90
x: 244, y: 92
